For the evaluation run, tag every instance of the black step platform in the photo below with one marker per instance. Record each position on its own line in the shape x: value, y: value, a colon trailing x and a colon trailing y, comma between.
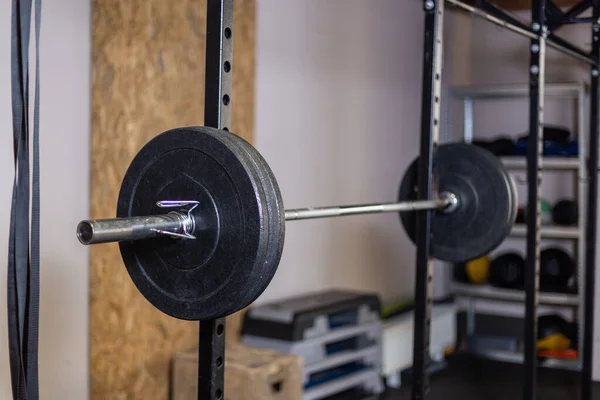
x: 311, y: 315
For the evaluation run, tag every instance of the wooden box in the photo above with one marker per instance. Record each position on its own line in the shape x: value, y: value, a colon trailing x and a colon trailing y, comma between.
x: 250, y: 374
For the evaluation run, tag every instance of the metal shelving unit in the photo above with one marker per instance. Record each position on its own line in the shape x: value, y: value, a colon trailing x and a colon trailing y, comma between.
x: 556, y: 163
x: 546, y: 19
x: 549, y: 232
x: 517, y: 358
x: 575, y: 165
x: 513, y: 295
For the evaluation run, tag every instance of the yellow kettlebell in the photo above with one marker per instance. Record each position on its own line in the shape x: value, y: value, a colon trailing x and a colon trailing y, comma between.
x: 478, y: 270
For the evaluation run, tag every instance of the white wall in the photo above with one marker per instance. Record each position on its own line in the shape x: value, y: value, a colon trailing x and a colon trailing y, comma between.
x: 338, y: 119
x: 65, y: 133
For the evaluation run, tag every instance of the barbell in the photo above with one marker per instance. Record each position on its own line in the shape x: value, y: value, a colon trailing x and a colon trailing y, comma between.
x: 201, y: 224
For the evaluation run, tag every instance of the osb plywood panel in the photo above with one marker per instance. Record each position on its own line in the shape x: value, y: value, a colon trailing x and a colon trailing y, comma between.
x: 147, y: 77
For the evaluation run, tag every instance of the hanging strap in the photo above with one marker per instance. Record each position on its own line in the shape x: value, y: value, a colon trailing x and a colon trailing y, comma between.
x: 34, y: 276
x: 23, y: 248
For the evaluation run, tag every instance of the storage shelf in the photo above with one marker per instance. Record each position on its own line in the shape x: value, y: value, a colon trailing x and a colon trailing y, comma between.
x: 549, y: 162
x: 574, y: 95
x: 517, y: 358
x: 495, y: 293
x: 548, y: 231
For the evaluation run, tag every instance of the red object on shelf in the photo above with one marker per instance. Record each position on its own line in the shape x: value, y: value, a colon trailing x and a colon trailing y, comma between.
x: 564, y: 354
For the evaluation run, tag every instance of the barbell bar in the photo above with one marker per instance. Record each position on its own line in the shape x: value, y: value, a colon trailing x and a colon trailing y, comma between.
x: 178, y: 224
x: 236, y: 213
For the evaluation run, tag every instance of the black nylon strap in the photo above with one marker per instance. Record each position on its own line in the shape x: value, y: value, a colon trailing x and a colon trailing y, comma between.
x: 23, y: 260
x: 34, y: 274
x: 23, y: 177
x: 14, y: 305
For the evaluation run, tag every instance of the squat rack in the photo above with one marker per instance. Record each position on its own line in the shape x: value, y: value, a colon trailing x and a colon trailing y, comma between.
x: 546, y: 18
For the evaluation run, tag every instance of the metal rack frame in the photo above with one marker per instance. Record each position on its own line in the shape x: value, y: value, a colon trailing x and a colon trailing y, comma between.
x: 546, y: 17
x: 430, y: 117
x: 217, y: 114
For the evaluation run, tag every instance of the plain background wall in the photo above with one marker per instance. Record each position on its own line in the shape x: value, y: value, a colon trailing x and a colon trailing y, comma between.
x: 338, y: 120
x: 64, y: 143
x: 338, y: 84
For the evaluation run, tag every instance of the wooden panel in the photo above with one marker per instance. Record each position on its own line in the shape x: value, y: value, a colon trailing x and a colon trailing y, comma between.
x: 147, y: 77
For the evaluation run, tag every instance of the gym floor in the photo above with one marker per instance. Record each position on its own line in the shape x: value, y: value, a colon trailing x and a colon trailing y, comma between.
x: 469, y: 378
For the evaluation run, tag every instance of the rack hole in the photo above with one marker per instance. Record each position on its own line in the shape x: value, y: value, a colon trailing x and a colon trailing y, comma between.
x: 276, y: 387
x: 220, y: 329
x: 227, y: 33
x: 219, y: 394
x: 226, y: 128
x: 226, y: 99
x: 219, y: 362
x: 227, y: 66
x: 437, y: 77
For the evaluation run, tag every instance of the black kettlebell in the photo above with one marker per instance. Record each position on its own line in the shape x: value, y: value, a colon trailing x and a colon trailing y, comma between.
x: 556, y: 268
x: 565, y: 212
x: 508, y: 271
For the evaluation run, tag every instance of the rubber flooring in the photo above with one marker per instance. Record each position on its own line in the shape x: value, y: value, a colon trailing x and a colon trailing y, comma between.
x: 468, y: 377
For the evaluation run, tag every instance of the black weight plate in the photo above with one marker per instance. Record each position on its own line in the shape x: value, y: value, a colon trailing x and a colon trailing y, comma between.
x: 213, y: 275
x: 275, y: 208
x: 273, y: 205
x: 237, y: 143
x: 487, y: 202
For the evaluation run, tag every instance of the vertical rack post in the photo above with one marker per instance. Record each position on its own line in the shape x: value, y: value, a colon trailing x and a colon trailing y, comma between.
x: 211, y: 359
x: 217, y: 114
x: 430, y: 116
x: 592, y: 215
x: 534, y: 168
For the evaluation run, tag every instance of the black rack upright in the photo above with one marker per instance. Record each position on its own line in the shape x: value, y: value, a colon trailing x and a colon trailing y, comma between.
x: 590, y: 240
x: 430, y: 116
x: 537, y: 54
x: 217, y: 114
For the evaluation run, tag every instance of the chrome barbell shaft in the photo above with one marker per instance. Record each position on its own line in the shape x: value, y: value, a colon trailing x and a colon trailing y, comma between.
x: 179, y: 224
x: 339, y: 211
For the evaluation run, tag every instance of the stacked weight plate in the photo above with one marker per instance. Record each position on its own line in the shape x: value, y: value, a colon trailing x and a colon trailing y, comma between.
x: 338, y: 334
